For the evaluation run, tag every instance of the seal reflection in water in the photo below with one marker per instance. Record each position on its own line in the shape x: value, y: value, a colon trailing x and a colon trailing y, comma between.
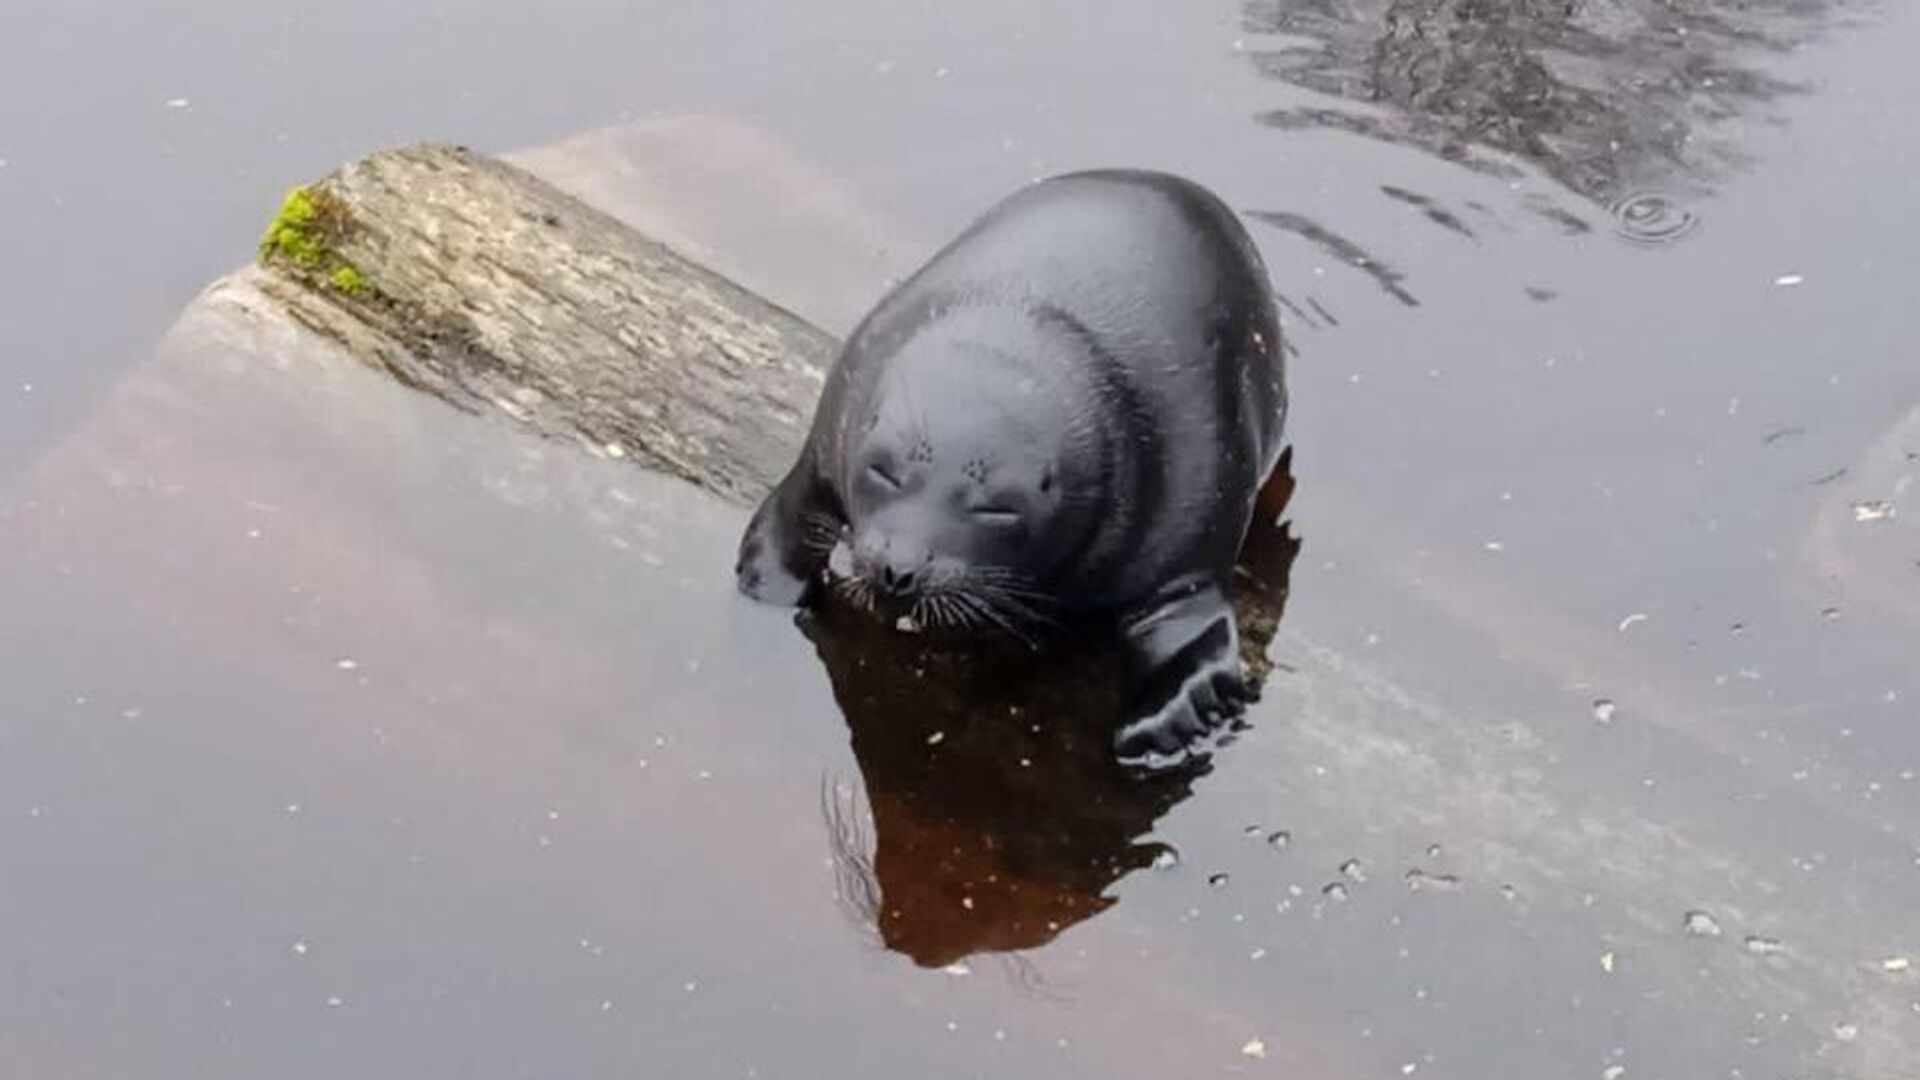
x: 999, y: 814
x: 1061, y: 422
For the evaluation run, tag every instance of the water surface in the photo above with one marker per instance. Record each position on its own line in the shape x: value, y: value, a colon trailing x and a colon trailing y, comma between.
x: 345, y: 734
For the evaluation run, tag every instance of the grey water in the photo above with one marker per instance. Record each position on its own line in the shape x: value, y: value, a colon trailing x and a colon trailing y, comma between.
x: 344, y: 734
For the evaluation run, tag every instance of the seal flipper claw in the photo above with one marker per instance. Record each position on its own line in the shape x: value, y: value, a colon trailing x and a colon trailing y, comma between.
x: 782, y: 554
x: 1185, y: 654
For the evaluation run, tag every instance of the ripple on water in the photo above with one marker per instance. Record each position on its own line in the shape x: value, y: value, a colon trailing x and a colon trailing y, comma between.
x: 1651, y: 218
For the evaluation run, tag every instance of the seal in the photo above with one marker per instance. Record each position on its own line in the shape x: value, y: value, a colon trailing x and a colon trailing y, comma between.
x: 1063, y: 419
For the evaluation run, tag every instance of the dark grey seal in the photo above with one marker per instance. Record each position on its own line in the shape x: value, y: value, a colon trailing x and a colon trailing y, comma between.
x: 1062, y: 420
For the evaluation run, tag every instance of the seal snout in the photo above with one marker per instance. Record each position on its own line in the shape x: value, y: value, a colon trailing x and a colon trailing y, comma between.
x: 895, y: 569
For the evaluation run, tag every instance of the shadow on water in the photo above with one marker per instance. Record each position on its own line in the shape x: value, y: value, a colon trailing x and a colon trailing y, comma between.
x: 1605, y: 96
x: 1000, y: 816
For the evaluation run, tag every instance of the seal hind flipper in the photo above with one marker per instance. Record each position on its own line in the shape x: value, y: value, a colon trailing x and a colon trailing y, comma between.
x: 1187, y: 681
x: 786, y: 546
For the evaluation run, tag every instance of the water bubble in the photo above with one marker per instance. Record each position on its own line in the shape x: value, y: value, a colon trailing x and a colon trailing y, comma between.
x: 1764, y: 946
x: 1433, y: 851
x: 1280, y: 839
x: 1650, y: 218
x: 1614, y: 1072
x: 1701, y: 924
x: 1217, y: 881
x: 1166, y: 859
x: 1336, y: 891
x: 1604, y: 710
x: 1353, y: 869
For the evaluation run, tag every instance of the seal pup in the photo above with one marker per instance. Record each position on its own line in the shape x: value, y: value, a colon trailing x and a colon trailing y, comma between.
x: 1064, y: 418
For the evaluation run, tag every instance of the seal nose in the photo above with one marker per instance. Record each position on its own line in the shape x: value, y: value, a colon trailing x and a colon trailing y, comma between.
x: 894, y: 570
x: 899, y: 579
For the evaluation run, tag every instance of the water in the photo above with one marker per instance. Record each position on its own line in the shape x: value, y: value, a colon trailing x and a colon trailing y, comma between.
x: 1592, y: 363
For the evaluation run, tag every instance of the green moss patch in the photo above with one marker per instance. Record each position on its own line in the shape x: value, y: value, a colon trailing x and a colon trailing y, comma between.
x: 305, y: 237
x: 350, y: 281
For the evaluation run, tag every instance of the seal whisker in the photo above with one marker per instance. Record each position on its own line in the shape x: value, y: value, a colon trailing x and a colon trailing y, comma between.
x: 1014, y: 605
x: 819, y: 532
x: 992, y: 614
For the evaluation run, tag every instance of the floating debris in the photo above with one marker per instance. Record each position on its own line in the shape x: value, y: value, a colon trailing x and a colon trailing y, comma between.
x: 1846, y: 1032
x: 1613, y: 1072
x: 1651, y: 218
x: 1896, y: 965
x: 1354, y: 870
x: 1636, y: 617
x: 347, y: 664
x: 907, y: 624
x: 1764, y: 946
x: 1873, y: 510
x: 1701, y: 924
x: 1217, y: 881
x: 1607, y: 962
x: 1337, y: 892
x: 1255, y: 1049
x: 1604, y: 710
x: 1789, y: 280
x: 1280, y: 839
x: 1166, y: 859
x: 1418, y: 879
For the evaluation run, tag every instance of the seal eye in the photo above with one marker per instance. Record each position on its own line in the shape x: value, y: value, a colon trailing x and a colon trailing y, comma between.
x: 998, y: 516
x: 884, y: 476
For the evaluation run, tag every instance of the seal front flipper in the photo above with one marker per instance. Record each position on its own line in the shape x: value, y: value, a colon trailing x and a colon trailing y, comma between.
x: 1185, y: 658
x: 786, y: 545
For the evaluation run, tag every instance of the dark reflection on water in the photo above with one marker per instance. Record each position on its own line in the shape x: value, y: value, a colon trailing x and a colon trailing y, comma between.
x: 1000, y: 816
x: 1605, y: 97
